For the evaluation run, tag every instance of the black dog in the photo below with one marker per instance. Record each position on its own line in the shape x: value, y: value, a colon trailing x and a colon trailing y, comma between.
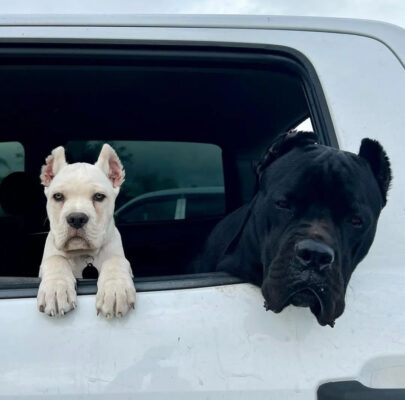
x: 311, y: 221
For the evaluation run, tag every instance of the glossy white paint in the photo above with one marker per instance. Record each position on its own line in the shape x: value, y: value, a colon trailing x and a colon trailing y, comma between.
x: 219, y: 342
x: 213, y: 343
x: 389, y: 34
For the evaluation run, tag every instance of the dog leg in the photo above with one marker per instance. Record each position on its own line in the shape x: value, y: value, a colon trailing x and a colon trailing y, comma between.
x: 116, y: 290
x: 57, y: 291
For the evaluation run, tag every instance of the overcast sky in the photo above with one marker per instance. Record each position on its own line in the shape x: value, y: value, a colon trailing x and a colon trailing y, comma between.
x: 385, y: 10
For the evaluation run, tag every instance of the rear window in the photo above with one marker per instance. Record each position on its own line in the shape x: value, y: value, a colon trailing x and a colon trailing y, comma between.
x: 11, y: 163
x: 11, y: 158
x: 148, y: 209
x: 164, y: 180
x: 204, y: 205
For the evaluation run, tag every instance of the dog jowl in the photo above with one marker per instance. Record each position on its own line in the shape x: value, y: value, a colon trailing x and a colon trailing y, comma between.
x: 80, y: 208
x: 312, y: 220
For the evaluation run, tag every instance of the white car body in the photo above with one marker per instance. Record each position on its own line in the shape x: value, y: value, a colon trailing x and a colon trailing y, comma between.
x: 218, y: 342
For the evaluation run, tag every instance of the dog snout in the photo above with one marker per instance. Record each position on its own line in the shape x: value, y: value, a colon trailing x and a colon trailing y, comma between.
x: 313, y: 254
x: 77, y: 220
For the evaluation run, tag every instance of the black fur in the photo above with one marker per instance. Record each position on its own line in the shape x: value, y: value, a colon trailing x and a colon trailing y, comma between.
x: 282, y: 144
x: 374, y: 154
x: 306, y: 191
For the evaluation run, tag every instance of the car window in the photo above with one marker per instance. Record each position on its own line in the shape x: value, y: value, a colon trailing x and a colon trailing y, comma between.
x: 205, y: 205
x: 233, y: 104
x: 158, y: 174
x: 11, y: 166
x: 154, y: 210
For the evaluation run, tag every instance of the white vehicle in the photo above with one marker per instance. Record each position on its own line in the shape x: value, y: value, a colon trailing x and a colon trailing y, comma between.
x: 233, y: 82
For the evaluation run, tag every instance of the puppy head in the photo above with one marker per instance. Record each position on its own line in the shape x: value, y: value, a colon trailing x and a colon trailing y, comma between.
x: 81, y: 198
x: 317, y: 210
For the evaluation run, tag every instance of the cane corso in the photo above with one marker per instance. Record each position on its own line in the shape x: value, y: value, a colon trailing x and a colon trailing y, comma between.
x: 80, y: 207
x: 312, y: 220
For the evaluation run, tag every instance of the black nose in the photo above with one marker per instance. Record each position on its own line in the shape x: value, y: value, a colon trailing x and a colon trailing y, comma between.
x: 311, y: 253
x: 77, y: 220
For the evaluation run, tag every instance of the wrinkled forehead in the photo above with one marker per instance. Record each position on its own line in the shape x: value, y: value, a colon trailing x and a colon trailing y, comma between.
x: 80, y: 177
x: 324, y: 175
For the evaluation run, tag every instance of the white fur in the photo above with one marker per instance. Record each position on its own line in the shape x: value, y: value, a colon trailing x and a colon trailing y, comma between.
x: 68, y: 250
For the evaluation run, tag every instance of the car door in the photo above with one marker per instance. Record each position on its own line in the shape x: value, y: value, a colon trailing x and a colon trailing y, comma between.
x: 208, y: 336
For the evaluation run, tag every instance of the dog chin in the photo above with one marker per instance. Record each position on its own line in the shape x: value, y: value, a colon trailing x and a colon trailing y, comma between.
x: 319, y: 304
x: 77, y: 243
x: 310, y: 298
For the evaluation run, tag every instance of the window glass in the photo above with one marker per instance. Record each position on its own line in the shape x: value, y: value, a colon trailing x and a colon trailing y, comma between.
x: 159, y: 174
x: 144, y: 210
x: 11, y: 161
x: 205, y: 205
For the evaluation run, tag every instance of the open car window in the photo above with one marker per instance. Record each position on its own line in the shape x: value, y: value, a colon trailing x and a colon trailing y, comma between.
x: 189, y: 127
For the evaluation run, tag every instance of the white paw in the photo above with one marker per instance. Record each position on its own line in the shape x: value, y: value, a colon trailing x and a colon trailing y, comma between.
x: 115, y: 297
x: 56, y: 296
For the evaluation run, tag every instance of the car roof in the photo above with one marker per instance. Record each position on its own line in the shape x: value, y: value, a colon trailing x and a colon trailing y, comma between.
x: 389, y: 34
x: 195, y: 20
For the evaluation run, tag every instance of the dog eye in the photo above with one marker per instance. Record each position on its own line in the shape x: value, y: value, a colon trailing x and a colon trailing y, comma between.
x: 99, y: 197
x: 284, y: 204
x: 58, y: 196
x: 356, y: 221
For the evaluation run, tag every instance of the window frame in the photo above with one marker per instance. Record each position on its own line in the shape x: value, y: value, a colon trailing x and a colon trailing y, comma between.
x: 175, y: 54
x: 16, y: 288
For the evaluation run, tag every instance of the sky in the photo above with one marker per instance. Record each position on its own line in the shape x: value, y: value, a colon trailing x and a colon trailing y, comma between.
x: 392, y: 11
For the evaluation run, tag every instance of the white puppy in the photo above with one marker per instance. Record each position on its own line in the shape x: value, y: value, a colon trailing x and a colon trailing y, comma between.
x: 80, y: 207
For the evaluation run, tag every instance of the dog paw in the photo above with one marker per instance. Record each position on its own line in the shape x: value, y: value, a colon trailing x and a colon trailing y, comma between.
x: 56, y: 297
x: 115, y: 297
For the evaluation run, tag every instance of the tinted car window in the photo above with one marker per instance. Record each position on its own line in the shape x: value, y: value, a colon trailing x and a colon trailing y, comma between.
x: 156, y: 210
x: 160, y: 173
x: 205, y: 206
x: 11, y: 168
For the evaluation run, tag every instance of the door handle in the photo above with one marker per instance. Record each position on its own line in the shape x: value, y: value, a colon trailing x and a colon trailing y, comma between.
x: 354, y: 390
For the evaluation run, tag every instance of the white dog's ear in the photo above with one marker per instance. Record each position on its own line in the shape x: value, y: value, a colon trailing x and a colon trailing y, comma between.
x: 110, y: 164
x: 53, y: 164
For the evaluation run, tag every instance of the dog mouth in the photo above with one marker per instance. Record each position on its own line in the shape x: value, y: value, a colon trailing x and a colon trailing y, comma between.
x: 309, y: 297
x: 76, y: 237
x: 77, y: 240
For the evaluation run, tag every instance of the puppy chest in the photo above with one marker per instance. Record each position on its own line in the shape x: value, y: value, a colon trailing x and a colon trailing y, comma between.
x: 85, y: 267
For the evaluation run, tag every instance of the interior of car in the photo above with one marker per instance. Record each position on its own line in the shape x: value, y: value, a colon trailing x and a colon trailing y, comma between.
x: 233, y: 101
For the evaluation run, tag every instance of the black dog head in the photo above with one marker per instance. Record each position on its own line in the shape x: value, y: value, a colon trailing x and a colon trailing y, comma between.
x: 316, y: 211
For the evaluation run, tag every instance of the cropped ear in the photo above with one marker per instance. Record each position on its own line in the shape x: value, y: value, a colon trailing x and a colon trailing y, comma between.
x: 375, y: 155
x: 110, y: 164
x: 283, y: 144
x: 53, y: 164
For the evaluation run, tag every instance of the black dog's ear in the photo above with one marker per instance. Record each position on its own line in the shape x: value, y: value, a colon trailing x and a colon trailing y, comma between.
x: 283, y: 144
x: 377, y: 158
